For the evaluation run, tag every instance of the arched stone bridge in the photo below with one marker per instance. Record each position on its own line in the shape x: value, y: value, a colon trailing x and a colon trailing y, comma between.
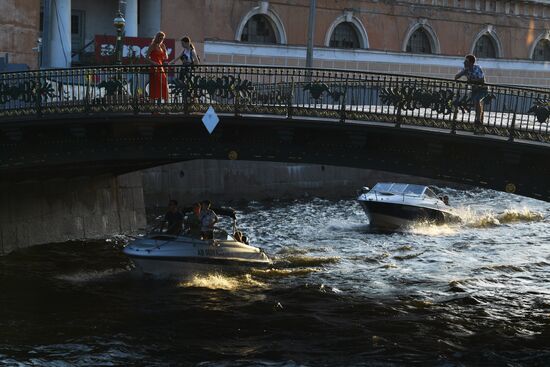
x: 93, y: 121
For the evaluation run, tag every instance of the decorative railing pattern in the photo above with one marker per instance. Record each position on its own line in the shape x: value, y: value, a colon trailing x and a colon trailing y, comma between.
x: 517, y: 113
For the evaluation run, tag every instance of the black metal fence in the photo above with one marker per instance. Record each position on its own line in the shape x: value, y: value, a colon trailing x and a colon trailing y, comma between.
x: 517, y: 113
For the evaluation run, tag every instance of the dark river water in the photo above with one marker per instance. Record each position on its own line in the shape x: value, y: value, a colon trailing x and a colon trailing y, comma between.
x: 471, y: 294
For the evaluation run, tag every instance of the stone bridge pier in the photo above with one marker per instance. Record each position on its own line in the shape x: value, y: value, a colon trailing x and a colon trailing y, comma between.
x: 57, y: 210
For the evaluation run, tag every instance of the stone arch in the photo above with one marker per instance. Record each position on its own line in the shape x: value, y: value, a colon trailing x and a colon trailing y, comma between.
x: 422, y: 24
x: 488, y: 31
x: 275, y: 20
x: 348, y: 17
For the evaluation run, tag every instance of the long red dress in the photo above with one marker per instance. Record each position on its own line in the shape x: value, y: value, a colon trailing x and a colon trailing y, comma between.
x: 158, y: 86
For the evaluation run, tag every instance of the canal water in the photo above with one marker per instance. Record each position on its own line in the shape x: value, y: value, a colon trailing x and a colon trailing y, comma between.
x: 471, y: 294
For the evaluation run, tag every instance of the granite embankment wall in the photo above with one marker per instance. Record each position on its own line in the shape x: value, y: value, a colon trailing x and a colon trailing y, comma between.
x: 62, y: 210
x: 69, y: 209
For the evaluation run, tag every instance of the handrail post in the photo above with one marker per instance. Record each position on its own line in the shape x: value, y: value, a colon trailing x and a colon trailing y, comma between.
x: 455, y: 110
x: 236, y: 101
x: 513, y: 124
x: 453, y: 122
x: 38, y: 92
x: 135, y: 95
x: 88, y: 81
x: 343, y: 106
x: 290, y: 97
x: 236, y: 104
x: 187, y: 73
x: 398, y: 117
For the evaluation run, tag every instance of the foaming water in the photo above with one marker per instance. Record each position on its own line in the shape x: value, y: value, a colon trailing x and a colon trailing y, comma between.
x: 431, y: 229
x: 475, y: 293
x: 222, y: 281
x: 488, y: 217
x: 522, y: 215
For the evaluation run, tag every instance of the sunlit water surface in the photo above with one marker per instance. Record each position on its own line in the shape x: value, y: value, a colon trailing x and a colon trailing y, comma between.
x: 477, y: 293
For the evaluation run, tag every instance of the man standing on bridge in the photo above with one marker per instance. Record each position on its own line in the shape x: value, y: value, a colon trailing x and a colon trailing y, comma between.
x: 475, y: 76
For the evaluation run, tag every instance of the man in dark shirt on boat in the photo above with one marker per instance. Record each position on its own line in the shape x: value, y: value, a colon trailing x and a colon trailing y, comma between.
x: 193, y: 221
x: 173, y: 218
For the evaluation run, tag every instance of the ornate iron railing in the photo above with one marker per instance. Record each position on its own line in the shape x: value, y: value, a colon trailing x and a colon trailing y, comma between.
x: 517, y: 113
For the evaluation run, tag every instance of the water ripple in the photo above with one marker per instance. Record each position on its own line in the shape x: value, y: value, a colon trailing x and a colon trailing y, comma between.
x: 471, y: 294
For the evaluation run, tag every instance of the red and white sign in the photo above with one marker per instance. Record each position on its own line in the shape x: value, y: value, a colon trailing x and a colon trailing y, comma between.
x: 134, y: 48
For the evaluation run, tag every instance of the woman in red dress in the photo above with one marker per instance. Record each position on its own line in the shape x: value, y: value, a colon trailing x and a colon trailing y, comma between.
x: 156, y: 55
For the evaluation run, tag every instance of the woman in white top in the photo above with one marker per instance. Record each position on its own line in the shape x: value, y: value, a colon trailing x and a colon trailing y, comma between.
x: 188, y: 55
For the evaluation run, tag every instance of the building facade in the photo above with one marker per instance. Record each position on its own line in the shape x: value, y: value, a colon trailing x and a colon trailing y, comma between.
x: 19, y: 32
x: 420, y: 37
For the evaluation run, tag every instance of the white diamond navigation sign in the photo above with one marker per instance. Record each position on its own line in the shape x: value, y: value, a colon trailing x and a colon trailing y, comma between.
x: 210, y: 119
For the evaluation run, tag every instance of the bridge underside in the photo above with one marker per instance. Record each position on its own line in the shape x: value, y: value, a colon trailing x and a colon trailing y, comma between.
x: 76, y: 146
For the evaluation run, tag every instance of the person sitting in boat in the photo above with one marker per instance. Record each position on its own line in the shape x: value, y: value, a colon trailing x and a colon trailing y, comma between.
x: 173, y: 218
x: 238, y: 235
x: 208, y: 219
x: 446, y: 200
x: 193, y: 221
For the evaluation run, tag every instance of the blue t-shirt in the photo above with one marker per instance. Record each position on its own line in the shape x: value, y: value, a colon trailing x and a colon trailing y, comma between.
x: 475, y: 73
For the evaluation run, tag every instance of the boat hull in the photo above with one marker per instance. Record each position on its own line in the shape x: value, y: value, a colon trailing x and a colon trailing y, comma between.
x: 392, y: 216
x: 180, y: 256
x: 187, y: 268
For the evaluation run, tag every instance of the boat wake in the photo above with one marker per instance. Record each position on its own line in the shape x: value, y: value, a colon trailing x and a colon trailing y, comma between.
x: 222, y: 282
x: 91, y: 276
x: 298, y: 261
x: 491, y: 219
x: 431, y: 229
x: 279, y: 273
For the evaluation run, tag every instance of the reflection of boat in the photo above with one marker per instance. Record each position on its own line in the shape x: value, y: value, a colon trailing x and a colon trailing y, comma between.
x: 391, y: 206
x: 161, y: 254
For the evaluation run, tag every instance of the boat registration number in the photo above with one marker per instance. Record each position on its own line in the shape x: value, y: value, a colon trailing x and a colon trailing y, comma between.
x: 210, y: 252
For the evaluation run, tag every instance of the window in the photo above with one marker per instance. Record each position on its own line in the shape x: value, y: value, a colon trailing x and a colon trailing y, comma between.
x: 414, y: 190
x: 344, y: 36
x: 485, y: 48
x: 542, y: 51
x: 77, y: 32
x: 419, y: 42
x: 258, y: 29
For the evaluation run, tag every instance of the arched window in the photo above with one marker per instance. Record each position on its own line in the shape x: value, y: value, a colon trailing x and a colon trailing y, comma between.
x: 542, y: 51
x: 485, y: 48
x: 259, y: 29
x: 419, y: 42
x: 344, y: 36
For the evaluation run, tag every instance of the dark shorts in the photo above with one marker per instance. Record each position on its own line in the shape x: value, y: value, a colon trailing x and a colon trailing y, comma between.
x: 478, y: 94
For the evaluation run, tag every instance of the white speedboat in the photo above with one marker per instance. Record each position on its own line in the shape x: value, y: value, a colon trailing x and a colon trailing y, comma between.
x: 164, y: 255
x: 390, y: 206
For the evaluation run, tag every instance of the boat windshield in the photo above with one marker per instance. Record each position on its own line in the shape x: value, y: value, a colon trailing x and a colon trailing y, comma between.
x: 430, y: 193
x: 400, y: 189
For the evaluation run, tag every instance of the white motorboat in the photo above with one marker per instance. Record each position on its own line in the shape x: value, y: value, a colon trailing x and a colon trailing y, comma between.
x: 160, y: 254
x: 390, y: 206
